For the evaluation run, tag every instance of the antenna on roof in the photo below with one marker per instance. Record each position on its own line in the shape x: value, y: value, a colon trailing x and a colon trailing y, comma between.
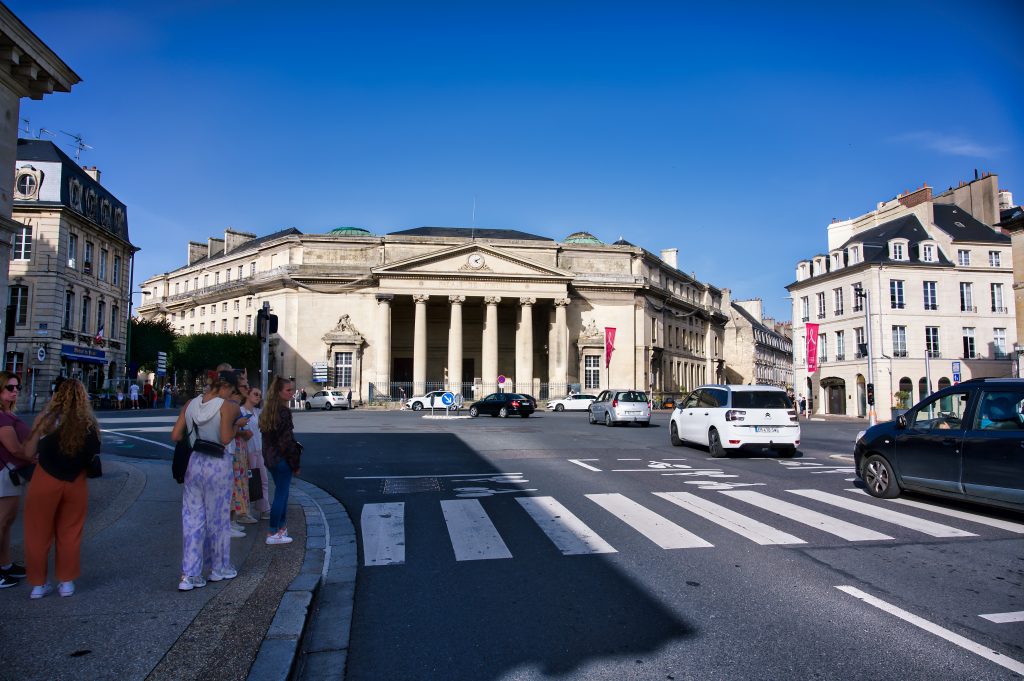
x: 28, y: 127
x: 41, y: 131
x: 80, y: 144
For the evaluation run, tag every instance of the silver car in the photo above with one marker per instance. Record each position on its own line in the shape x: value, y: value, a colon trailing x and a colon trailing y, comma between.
x: 577, y: 402
x: 328, y: 399
x: 621, y: 406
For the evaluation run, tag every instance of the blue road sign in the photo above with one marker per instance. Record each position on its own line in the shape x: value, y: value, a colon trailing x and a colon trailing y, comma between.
x: 447, y: 399
x: 956, y: 378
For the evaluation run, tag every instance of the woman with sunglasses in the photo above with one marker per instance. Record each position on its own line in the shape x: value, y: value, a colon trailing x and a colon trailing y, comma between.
x: 13, y: 434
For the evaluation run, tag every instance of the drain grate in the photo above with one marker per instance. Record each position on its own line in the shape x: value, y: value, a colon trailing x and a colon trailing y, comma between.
x: 410, y: 485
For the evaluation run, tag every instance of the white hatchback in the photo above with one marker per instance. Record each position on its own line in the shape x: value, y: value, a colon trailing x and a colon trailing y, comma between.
x: 571, y: 403
x: 734, y: 417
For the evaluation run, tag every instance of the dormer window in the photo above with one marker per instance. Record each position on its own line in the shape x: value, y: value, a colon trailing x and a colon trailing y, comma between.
x: 854, y: 254
x: 928, y: 253
x: 801, y: 271
x: 837, y: 261
x: 898, y: 250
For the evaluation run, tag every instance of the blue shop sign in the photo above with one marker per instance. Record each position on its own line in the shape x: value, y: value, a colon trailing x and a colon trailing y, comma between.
x: 80, y: 354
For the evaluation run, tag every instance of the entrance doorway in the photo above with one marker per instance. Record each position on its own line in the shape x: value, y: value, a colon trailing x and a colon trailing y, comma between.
x: 835, y: 395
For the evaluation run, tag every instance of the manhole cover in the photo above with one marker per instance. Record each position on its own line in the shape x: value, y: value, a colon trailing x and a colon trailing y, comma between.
x: 410, y: 485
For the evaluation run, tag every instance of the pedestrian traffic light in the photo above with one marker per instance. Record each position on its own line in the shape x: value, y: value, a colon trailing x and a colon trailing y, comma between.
x: 271, y: 323
x: 871, y: 393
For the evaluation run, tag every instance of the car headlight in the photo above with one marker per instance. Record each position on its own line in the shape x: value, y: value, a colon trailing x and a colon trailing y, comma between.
x: 859, y: 436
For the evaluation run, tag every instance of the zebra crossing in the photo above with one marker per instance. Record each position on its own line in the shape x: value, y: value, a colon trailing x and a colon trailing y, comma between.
x: 474, y: 536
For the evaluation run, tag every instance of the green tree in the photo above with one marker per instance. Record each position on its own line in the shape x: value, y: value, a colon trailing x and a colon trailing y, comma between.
x: 149, y: 336
x: 196, y: 353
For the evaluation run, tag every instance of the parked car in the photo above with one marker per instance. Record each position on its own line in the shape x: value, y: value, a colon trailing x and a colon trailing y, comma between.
x: 620, y: 406
x: 578, y: 402
x: 963, y: 442
x: 532, y: 400
x: 424, y: 401
x: 503, y: 405
x: 328, y: 399
x: 736, y: 417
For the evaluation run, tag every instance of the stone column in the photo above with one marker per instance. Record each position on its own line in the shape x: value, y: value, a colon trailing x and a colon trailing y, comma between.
x: 558, y: 361
x: 524, y: 346
x: 383, y: 342
x: 419, y: 346
x: 489, y: 361
x: 455, y: 344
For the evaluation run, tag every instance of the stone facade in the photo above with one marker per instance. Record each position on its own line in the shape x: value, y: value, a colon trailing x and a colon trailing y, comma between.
x: 456, y: 308
x: 757, y: 350
x: 938, y: 283
x: 70, y: 273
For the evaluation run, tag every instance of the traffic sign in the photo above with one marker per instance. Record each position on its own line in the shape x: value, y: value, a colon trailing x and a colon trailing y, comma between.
x: 319, y: 372
x: 501, y: 379
x: 956, y: 377
x: 448, y: 399
x: 161, y: 363
x: 956, y: 367
x: 41, y: 354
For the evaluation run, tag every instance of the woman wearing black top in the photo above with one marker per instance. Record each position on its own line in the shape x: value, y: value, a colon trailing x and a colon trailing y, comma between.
x: 65, y: 439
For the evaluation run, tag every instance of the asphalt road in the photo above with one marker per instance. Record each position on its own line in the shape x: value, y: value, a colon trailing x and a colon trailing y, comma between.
x: 539, y: 549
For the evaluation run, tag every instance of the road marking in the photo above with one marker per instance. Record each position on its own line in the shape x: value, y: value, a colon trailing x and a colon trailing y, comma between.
x: 473, y: 535
x: 1005, y: 617
x: 662, y: 470
x: 658, y: 529
x: 579, y: 462
x: 104, y: 420
x: 563, y: 528
x: 884, y: 514
x: 932, y: 628
x: 136, y: 437
x: 428, y: 475
x: 753, y: 530
x: 383, y: 529
x: 1016, y: 528
x: 819, y: 521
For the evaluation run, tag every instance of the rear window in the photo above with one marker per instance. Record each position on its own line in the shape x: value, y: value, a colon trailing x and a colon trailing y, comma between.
x: 760, y: 399
x: 631, y: 396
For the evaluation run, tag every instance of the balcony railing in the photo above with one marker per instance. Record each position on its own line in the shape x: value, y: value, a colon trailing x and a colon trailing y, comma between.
x: 933, y: 353
x: 931, y: 306
x: 821, y: 315
x: 1000, y: 310
x: 1000, y: 354
x: 805, y: 319
x: 898, y: 306
x: 968, y: 308
x: 840, y: 357
x: 837, y: 312
x: 899, y: 353
x: 822, y: 359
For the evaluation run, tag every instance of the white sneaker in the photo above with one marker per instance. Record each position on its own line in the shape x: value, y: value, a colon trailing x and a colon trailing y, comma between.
x: 188, y: 583
x: 247, y: 520
x: 279, y: 538
x: 40, y: 591
x: 237, y: 534
x: 66, y: 589
x: 235, y: 526
x: 223, y: 573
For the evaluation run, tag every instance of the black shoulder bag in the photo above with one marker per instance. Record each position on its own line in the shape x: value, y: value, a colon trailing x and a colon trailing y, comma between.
x: 183, y: 452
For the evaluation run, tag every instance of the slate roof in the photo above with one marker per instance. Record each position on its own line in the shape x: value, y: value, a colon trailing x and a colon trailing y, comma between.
x: 469, y: 233
x: 248, y: 244
x: 876, y: 241
x: 963, y: 227
x: 756, y: 323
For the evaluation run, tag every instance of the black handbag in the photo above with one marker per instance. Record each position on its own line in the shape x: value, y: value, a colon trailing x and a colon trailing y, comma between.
x: 208, y: 447
x: 182, y: 453
x: 95, y: 468
x: 255, y: 484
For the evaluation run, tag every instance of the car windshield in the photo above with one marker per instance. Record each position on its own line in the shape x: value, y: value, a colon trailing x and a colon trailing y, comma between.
x: 337, y: 394
x: 760, y: 399
x: 631, y: 396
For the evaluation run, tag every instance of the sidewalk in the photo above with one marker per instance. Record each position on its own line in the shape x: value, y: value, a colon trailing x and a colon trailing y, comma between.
x: 127, y: 620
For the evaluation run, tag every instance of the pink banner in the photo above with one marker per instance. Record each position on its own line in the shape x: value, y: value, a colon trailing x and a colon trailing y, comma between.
x: 609, y: 345
x: 812, y: 348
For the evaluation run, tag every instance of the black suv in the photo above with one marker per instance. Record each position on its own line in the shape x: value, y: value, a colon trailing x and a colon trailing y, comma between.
x: 965, y: 441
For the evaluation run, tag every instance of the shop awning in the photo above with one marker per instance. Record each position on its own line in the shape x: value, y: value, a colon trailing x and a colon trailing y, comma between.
x: 87, y: 355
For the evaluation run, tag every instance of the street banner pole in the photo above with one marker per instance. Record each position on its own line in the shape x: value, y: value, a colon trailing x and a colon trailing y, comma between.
x: 264, y: 330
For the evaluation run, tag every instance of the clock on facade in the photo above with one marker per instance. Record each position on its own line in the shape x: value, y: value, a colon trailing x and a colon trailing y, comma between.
x: 476, y: 261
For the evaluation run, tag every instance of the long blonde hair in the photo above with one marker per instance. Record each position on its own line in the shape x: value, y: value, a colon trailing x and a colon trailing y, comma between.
x: 70, y: 407
x: 272, y: 404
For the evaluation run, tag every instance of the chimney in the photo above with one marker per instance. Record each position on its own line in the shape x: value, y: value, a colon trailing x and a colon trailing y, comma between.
x: 197, y: 251
x: 93, y: 172
x: 215, y: 246
x: 233, y: 239
x: 671, y: 257
x: 916, y: 197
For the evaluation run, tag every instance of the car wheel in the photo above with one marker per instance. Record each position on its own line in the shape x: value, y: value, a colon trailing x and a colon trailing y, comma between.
x: 503, y: 412
x: 416, y: 406
x: 673, y: 434
x: 880, y: 479
x: 787, y: 452
x: 328, y: 406
x: 474, y: 412
x: 308, y: 406
x: 525, y: 416
x: 715, y: 444
x: 559, y: 407
x: 608, y: 419
x: 590, y: 417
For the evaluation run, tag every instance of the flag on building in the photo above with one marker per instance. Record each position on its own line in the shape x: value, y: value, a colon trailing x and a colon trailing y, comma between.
x: 609, y: 345
x: 812, y: 348
x: 99, y: 335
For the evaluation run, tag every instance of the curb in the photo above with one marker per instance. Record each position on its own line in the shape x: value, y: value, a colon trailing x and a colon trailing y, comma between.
x: 317, y: 606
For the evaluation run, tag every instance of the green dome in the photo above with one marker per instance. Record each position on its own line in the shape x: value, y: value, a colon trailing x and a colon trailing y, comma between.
x: 582, y: 238
x: 350, y: 231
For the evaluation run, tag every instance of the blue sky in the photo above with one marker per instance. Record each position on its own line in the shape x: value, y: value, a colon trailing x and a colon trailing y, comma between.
x: 734, y: 133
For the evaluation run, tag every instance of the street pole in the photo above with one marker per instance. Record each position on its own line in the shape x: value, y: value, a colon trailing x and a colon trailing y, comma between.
x: 264, y: 332
x: 872, y: 420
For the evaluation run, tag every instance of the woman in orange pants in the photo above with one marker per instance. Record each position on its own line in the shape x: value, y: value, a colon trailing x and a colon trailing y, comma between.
x: 65, y: 438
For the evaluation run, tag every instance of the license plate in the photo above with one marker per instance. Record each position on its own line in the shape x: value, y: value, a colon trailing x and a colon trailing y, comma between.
x: 633, y: 411
x: 765, y: 429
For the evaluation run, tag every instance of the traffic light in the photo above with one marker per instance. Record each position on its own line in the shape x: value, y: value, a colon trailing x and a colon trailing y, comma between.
x: 871, y: 393
x: 271, y: 319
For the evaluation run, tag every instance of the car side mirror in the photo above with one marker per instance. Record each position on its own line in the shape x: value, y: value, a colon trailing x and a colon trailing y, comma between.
x: 901, y: 421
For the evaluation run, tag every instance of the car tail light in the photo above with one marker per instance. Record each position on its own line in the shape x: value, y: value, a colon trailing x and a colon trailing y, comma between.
x: 735, y: 415
x: 615, y: 404
x: 734, y: 442
x: 792, y: 416
x: 515, y: 403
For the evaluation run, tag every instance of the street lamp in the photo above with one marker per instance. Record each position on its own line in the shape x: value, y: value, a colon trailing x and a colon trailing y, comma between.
x: 861, y: 294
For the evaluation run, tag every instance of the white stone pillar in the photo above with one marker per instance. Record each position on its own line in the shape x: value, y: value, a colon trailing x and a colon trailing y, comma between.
x: 558, y: 375
x: 524, y: 346
x: 455, y: 344
x: 419, y: 346
x: 489, y: 360
x: 383, y: 342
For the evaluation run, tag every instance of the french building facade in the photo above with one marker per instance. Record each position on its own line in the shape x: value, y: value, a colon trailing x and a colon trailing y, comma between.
x: 757, y: 350
x: 938, y: 282
x: 470, y: 310
x: 70, y: 273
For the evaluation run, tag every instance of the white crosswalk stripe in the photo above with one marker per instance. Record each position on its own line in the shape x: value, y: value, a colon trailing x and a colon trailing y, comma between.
x: 1016, y: 528
x: 383, y: 530
x: 928, y: 527
x: 563, y: 528
x: 753, y: 530
x: 658, y: 529
x: 820, y: 521
x: 473, y: 535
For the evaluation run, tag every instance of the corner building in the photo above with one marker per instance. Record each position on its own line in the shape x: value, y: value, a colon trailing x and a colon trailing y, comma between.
x: 454, y: 308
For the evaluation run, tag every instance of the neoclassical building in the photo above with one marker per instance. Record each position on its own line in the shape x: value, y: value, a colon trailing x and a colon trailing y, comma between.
x: 464, y: 309
x: 757, y: 350
x: 936, y: 276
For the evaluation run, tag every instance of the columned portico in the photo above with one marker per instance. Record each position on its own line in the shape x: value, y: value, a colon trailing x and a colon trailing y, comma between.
x: 489, y: 351
x: 455, y: 344
x: 419, y: 347
x: 558, y: 366
x: 383, y: 342
x: 524, y: 346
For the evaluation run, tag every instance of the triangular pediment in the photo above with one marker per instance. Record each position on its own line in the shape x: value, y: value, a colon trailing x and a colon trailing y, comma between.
x: 471, y: 260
